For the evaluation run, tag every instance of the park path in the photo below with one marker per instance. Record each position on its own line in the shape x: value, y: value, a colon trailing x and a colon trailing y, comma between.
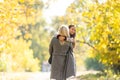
x: 33, y: 76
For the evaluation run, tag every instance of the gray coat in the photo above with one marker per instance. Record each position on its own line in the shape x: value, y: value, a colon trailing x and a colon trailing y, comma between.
x: 58, y: 52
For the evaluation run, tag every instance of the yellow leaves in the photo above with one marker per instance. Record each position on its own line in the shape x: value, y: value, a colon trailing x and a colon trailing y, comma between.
x: 27, y: 36
x: 21, y: 1
x: 69, y: 10
x: 12, y: 12
x: 103, y: 46
x: 23, y: 57
x: 104, y: 61
x: 91, y: 53
x: 104, y: 22
x: 9, y: 15
x: 87, y: 14
x: 13, y: 15
x: 35, y: 67
x: 30, y: 12
x: 61, y: 18
x: 27, y: 1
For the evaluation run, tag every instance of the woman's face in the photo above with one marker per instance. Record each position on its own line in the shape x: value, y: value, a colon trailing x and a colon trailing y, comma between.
x: 72, y: 30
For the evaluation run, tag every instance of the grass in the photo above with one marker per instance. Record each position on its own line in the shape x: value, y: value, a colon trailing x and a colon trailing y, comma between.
x: 98, y: 76
x: 89, y: 77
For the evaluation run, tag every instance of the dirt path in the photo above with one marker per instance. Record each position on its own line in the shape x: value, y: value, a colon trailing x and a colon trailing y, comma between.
x: 33, y: 76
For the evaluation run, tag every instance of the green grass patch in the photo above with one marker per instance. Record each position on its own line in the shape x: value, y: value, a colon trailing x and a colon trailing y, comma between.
x: 91, y: 76
x: 98, y: 76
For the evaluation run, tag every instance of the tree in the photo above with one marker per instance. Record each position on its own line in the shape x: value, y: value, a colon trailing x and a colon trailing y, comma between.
x: 15, y: 52
x: 102, y: 30
x: 97, y: 26
x: 102, y: 19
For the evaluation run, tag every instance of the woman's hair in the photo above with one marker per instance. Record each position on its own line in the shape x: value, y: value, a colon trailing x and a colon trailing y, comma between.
x: 72, y: 35
x: 71, y: 26
x: 64, y: 31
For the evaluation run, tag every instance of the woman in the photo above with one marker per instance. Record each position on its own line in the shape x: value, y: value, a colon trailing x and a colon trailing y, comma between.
x: 72, y: 32
x: 58, y: 48
x: 70, y: 58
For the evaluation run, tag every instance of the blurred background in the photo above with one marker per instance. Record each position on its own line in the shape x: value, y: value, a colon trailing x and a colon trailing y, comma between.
x: 27, y: 26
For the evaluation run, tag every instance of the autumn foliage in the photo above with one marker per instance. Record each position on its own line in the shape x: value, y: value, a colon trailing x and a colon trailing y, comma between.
x: 15, y: 52
x: 98, y: 26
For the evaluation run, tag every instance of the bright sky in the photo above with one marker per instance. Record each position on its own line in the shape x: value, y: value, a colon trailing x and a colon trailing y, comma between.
x: 1, y: 0
x: 57, y: 8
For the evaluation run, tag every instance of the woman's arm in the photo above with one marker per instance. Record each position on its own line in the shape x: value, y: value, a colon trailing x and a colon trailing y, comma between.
x: 51, y: 47
x: 72, y: 40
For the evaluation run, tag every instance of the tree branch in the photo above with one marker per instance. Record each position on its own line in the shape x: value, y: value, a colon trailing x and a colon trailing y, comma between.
x: 84, y: 42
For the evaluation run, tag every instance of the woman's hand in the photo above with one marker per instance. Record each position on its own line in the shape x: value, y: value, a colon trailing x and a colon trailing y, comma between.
x: 70, y: 39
